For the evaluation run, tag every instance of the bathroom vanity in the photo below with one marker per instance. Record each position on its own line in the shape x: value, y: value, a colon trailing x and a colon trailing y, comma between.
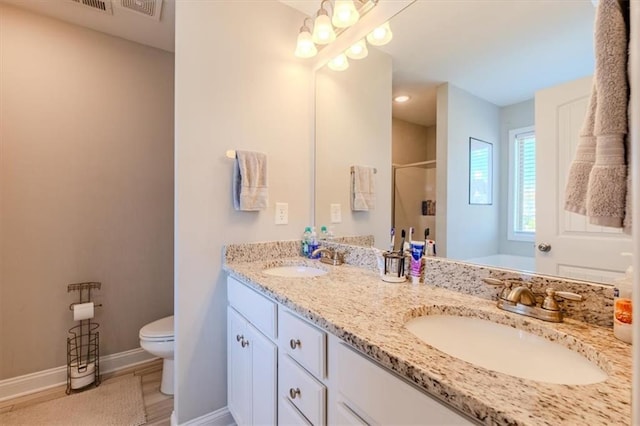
x: 333, y: 349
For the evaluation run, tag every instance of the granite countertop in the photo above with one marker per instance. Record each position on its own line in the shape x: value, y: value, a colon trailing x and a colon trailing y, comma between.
x: 358, y: 307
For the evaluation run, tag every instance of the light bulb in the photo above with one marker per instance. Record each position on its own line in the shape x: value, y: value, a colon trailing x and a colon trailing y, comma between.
x: 344, y: 14
x: 339, y: 63
x: 323, y: 32
x: 381, y: 35
x: 305, y: 48
x: 402, y: 98
x: 358, y: 50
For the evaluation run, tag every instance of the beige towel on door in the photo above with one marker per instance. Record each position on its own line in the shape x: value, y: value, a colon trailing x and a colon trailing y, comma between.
x: 597, y: 183
x: 363, y: 188
x: 250, y: 181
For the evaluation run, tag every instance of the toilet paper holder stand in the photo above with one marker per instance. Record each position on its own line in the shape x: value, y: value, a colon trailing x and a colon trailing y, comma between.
x: 83, y: 343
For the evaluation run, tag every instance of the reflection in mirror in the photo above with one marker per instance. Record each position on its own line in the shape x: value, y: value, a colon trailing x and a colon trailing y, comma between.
x: 473, y: 69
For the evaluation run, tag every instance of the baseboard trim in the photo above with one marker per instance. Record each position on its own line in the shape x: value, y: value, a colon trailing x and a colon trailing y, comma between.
x: 221, y: 417
x: 46, y: 379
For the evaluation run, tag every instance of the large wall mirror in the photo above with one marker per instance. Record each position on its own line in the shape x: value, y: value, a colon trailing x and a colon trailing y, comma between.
x: 514, y: 74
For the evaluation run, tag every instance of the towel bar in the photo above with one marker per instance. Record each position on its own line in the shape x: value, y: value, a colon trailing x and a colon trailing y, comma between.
x: 352, y: 170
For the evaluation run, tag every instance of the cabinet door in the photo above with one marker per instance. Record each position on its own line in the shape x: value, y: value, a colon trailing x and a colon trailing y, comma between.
x: 378, y: 397
x: 238, y: 368
x: 264, y: 356
x: 344, y: 415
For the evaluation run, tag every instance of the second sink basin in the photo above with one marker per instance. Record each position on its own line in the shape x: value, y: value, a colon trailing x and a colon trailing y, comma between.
x: 294, y: 271
x: 505, y: 349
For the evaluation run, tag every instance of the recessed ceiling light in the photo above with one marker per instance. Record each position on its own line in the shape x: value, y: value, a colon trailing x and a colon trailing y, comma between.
x: 401, y: 98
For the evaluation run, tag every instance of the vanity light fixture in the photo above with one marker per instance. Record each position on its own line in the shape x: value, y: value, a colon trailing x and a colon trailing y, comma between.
x: 339, y: 63
x: 345, y: 14
x: 401, y: 99
x: 381, y: 35
x: 358, y: 50
x: 323, y: 32
x: 305, y: 48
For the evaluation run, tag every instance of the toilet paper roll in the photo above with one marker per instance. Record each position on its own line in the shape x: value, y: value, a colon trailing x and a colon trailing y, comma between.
x: 82, y: 311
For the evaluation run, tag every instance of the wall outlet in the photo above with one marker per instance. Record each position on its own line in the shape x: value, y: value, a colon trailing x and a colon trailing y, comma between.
x: 282, y: 213
x: 336, y: 213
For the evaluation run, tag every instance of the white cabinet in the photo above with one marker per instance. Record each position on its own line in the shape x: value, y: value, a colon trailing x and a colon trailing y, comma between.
x: 251, y: 361
x: 281, y: 369
x: 365, y: 393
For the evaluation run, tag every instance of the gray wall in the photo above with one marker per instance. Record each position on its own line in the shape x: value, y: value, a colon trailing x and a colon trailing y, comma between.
x: 238, y: 86
x: 464, y: 231
x: 86, y: 186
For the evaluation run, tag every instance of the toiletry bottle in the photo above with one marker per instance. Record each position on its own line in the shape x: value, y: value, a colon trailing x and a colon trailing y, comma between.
x: 313, y: 244
x: 306, y: 238
x: 622, y: 307
x: 324, y: 234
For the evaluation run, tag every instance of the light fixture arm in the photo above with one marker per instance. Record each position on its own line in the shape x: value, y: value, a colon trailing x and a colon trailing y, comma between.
x: 322, y: 10
x: 306, y: 27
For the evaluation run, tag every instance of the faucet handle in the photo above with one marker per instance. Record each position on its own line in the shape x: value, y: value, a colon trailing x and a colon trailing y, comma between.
x: 506, y: 289
x: 550, y: 302
x: 493, y: 281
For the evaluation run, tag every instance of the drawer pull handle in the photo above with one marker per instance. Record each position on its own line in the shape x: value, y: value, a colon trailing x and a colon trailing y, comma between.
x: 293, y: 393
x: 294, y: 343
x: 239, y: 337
x: 244, y: 343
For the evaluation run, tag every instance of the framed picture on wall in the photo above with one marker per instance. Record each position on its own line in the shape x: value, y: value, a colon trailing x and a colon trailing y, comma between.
x: 480, y: 172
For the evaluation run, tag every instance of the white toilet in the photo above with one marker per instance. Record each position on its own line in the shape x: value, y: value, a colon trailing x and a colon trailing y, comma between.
x: 157, y: 338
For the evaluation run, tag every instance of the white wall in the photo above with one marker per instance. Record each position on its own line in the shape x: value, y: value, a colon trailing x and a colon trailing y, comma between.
x: 353, y: 127
x: 238, y: 86
x: 470, y: 230
x: 512, y: 117
x: 86, y: 183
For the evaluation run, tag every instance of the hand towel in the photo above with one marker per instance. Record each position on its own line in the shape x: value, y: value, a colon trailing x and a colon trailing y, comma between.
x: 601, y: 153
x: 250, y: 181
x: 363, y: 189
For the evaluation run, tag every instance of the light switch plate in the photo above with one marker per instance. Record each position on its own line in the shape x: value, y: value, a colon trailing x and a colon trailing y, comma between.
x: 282, y: 213
x: 336, y: 213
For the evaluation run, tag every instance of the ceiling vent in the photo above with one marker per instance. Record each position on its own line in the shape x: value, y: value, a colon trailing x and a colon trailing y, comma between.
x: 149, y: 8
x: 103, y: 6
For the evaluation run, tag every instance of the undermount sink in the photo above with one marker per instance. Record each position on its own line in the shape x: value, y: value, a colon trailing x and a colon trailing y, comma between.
x: 505, y: 349
x: 294, y: 271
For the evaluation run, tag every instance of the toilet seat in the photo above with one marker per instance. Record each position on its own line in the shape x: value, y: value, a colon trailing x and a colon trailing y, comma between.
x: 158, y: 331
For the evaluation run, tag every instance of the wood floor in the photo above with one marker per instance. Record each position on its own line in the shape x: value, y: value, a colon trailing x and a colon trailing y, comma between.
x: 157, y: 405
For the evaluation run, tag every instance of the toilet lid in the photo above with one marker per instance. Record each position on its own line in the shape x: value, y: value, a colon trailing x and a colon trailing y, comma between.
x: 160, y: 328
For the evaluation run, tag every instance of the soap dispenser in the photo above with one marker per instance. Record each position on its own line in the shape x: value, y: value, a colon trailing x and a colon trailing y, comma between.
x: 622, y: 307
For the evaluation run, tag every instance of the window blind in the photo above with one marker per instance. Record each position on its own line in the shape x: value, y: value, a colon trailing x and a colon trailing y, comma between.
x: 525, y: 183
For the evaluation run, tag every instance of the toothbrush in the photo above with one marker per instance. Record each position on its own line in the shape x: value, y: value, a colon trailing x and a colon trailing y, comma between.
x: 403, y: 234
x: 426, y: 237
x: 411, y: 235
x: 392, y: 244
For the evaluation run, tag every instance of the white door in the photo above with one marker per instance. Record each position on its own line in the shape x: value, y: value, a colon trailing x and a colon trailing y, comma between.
x: 264, y: 381
x: 576, y: 248
x: 238, y: 369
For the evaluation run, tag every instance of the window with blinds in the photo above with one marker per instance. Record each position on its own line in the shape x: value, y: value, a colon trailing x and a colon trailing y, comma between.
x: 522, y: 184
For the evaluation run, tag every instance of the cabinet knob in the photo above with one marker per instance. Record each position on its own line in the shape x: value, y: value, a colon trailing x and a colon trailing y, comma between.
x: 244, y: 343
x: 239, y: 337
x: 293, y: 393
x: 294, y: 343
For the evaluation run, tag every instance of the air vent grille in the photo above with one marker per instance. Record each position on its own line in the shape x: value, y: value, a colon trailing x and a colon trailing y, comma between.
x: 149, y: 8
x: 103, y: 6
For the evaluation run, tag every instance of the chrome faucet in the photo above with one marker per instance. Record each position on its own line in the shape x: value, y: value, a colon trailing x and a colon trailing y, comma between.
x: 521, y: 300
x: 329, y: 256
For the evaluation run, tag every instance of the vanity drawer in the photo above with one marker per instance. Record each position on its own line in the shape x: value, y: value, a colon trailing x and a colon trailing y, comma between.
x: 259, y: 310
x: 303, y: 342
x: 288, y: 414
x: 303, y: 390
